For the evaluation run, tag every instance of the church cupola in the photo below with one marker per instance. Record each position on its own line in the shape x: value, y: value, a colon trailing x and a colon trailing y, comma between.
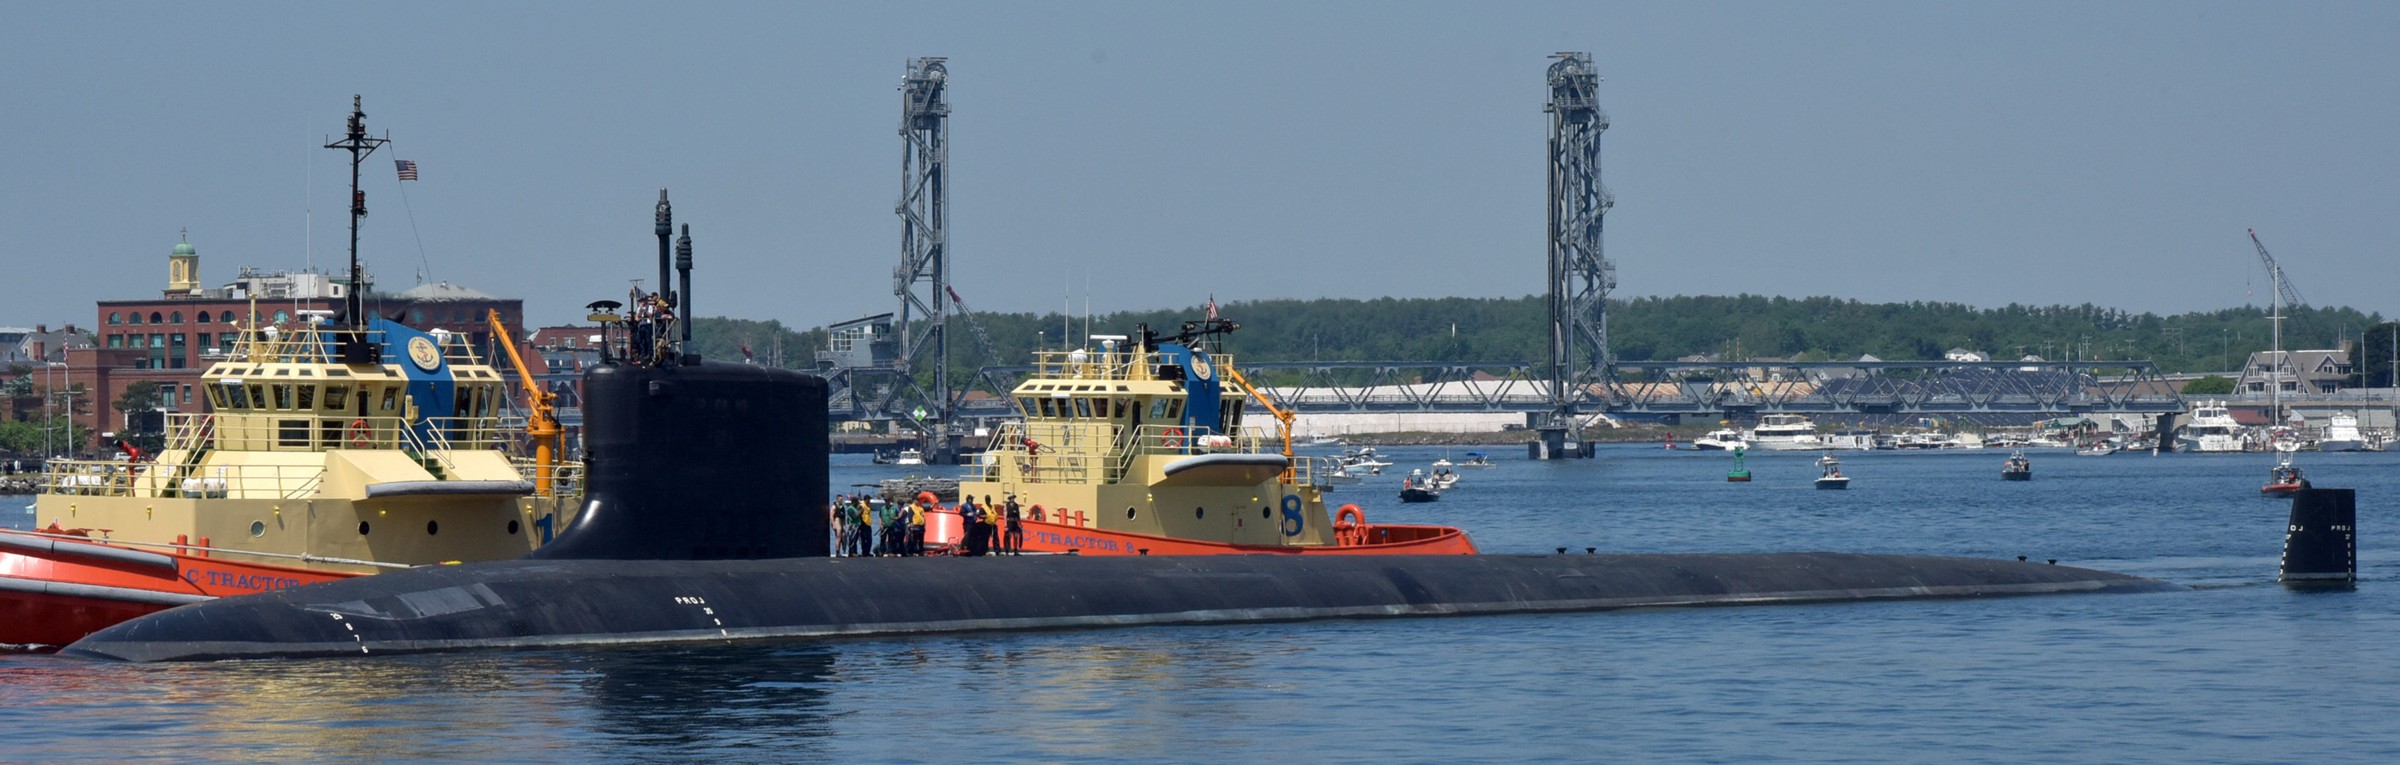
x: 183, y: 267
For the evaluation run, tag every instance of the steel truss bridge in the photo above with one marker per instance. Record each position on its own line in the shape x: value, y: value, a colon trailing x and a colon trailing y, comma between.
x: 1650, y: 389
x: 1579, y: 380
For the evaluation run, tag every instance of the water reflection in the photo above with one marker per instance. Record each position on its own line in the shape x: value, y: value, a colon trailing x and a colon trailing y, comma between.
x: 716, y: 698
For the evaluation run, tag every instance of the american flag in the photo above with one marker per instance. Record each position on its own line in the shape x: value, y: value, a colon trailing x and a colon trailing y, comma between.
x: 408, y: 169
x: 1212, y: 305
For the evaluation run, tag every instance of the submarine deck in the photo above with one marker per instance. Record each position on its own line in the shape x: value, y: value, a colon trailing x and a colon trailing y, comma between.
x: 530, y: 603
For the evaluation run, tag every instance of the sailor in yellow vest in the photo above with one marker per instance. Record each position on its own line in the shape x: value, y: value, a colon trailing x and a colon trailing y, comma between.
x: 916, y: 527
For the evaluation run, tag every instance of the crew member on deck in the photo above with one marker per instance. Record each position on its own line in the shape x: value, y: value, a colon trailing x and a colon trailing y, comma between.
x: 862, y: 531
x: 1016, y: 533
x: 970, y: 526
x: 989, y: 515
x: 916, y: 527
x: 840, y: 513
x: 894, y: 531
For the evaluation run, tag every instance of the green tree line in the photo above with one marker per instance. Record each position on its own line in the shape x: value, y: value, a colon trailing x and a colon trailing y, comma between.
x: 1739, y: 327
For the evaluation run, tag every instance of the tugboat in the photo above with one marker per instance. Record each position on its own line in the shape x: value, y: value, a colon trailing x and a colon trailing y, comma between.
x: 2017, y: 468
x: 2284, y: 479
x: 1829, y: 475
x: 1140, y: 447
x: 1739, y: 473
x: 333, y: 446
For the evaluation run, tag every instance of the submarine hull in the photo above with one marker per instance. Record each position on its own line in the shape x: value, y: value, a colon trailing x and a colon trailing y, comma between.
x: 530, y: 603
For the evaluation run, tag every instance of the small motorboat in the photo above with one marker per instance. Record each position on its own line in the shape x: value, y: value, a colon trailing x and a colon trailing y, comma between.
x: 1725, y: 439
x: 2100, y: 448
x: 910, y: 457
x: 1442, y: 463
x: 1739, y: 473
x: 2283, y: 480
x: 1334, y: 472
x: 1414, y: 488
x: 1476, y: 460
x: 1365, y: 457
x: 2017, y: 468
x: 1829, y: 474
x: 1442, y: 479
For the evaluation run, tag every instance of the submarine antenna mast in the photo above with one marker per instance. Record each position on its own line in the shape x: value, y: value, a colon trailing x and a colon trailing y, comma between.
x: 1580, y: 276
x: 924, y: 211
x: 665, y: 218
x: 683, y: 269
x: 356, y: 141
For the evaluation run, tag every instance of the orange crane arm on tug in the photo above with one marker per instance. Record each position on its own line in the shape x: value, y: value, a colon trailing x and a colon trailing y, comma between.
x: 542, y: 424
x: 1283, y: 418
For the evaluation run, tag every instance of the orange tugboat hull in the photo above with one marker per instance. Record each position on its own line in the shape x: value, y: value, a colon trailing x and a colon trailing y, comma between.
x: 1358, y: 539
x: 54, y: 591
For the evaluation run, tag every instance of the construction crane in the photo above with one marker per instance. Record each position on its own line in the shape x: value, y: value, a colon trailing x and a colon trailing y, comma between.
x: 2283, y: 286
x: 542, y: 423
x: 2276, y: 360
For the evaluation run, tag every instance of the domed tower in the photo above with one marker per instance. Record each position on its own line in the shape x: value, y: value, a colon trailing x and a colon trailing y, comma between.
x: 183, y: 268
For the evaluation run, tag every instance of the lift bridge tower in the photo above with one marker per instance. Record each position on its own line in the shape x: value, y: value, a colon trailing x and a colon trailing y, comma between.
x: 1580, y: 276
x: 923, y: 277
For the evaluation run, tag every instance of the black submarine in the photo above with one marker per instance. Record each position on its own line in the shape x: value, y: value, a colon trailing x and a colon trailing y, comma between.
x: 705, y: 521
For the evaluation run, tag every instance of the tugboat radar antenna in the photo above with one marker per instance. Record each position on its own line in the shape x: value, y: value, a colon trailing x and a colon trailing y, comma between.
x: 354, y: 305
x: 359, y: 144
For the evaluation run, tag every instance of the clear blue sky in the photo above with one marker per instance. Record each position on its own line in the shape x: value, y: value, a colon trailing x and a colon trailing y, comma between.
x: 1152, y: 154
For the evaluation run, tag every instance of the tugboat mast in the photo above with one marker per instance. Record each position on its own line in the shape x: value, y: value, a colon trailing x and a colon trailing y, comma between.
x: 359, y: 144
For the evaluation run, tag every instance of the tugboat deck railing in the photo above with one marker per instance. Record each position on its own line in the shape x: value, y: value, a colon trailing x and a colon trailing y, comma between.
x: 1085, y: 453
x: 1087, y: 365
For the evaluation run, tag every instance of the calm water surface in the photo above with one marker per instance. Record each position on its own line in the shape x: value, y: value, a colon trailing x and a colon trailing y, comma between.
x: 2237, y: 670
